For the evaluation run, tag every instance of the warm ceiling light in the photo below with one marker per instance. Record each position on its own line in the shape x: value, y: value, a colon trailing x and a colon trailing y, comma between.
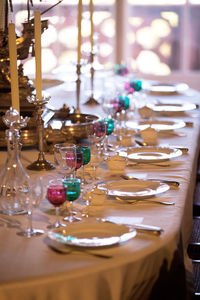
x: 98, y: 2
x: 108, y: 28
x: 135, y: 21
x: 86, y: 47
x: 29, y: 67
x: 49, y: 62
x: 85, y: 28
x: 130, y: 37
x: 56, y: 20
x: 49, y: 36
x: 105, y: 49
x: 162, y: 70
x: 160, y: 27
x: 98, y: 16
x: 148, y: 62
x: 67, y: 36
x: 67, y: 56
x: 172, y: 17
x: 156, y: 2
x: 133, y: 64
x: 165, y: 49
x: 147, y: 38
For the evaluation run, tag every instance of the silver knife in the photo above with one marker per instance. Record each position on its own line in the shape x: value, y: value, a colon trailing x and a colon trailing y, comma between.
x: 138, y: 227
x: 167, y: 181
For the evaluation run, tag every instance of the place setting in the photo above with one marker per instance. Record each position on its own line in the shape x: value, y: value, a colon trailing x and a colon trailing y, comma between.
x: 165, y: 89
x: 169, y: 108
x: 150, y: 156
x: 157, y: 124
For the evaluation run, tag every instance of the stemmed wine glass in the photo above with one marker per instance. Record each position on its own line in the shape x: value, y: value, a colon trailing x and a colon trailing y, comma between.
x: 65, y: 158
x: 79, y: 160
x: 86, y: 159
x: 110, y: 128
x: 57, y: 195
x: 110, y: 104
x: 73, y: 192
x: 96, y: 131
x: 30, y: 199
x: 95, y: 162
x: 123, y: 105
x: 87, y: 192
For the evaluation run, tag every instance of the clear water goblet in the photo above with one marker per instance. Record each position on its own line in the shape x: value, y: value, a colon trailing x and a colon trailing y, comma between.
x: 65, y: 158
x: 95, y: 161
x: 109, y: 103
x: 87, y: 192
x: 96, y: 131
x: 30, y: 199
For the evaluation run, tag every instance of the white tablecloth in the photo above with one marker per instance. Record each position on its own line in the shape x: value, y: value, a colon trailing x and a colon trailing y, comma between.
x: 29, y: 269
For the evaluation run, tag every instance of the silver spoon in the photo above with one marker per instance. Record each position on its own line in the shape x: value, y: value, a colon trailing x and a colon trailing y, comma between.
x: 147, y: 200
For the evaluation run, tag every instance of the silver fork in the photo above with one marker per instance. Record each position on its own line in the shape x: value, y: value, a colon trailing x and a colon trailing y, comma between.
x: 147, y: 200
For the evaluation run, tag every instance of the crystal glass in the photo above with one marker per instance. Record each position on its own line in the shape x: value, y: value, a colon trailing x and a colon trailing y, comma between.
x: 96, y: 132
x: 96, y: 159
x: 30, y: 200
x: 86, y: 159
x: 73, y: 192
x: 109, y: 103
x: 110, y: 128
x: 87, y: 195
x: 79, y: 160
x: 123, y: 106
x: 57, y: 195
x: 13, y: 177
x: 65, y: 158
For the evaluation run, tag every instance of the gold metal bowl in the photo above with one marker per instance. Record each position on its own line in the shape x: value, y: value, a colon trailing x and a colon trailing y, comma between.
x: 71, y: 128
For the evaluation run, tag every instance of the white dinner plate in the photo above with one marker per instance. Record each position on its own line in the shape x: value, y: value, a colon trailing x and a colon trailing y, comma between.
x: 172, y: 107
x: 149, y: 154
x: 92, y: 234
x: 134, y: 189
x: 159, y: 125
x: 160, y: 88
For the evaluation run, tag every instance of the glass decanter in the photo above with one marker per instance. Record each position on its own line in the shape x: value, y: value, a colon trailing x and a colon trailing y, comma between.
x: 13, y: 177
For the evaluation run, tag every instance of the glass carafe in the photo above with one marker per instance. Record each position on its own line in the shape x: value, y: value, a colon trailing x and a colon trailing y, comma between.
x: 13, y: 177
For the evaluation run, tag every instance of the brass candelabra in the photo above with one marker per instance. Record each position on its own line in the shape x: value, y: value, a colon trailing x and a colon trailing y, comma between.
x: 41, y: 163
x: 92, y: 100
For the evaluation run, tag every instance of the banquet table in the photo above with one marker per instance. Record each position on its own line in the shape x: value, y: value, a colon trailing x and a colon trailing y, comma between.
x: 145, y: 267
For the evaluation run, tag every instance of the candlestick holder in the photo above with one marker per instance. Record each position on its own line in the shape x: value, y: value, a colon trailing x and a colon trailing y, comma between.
x: 13, y: 177
x: 41, y: 163
x: 92, y: 100
x: 78, y: 87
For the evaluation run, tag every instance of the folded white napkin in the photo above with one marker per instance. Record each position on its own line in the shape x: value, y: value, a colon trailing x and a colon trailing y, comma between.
x: 116, y: 163
x: 145, y: 112
x: 150, y: 136
x: 97, y: 197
